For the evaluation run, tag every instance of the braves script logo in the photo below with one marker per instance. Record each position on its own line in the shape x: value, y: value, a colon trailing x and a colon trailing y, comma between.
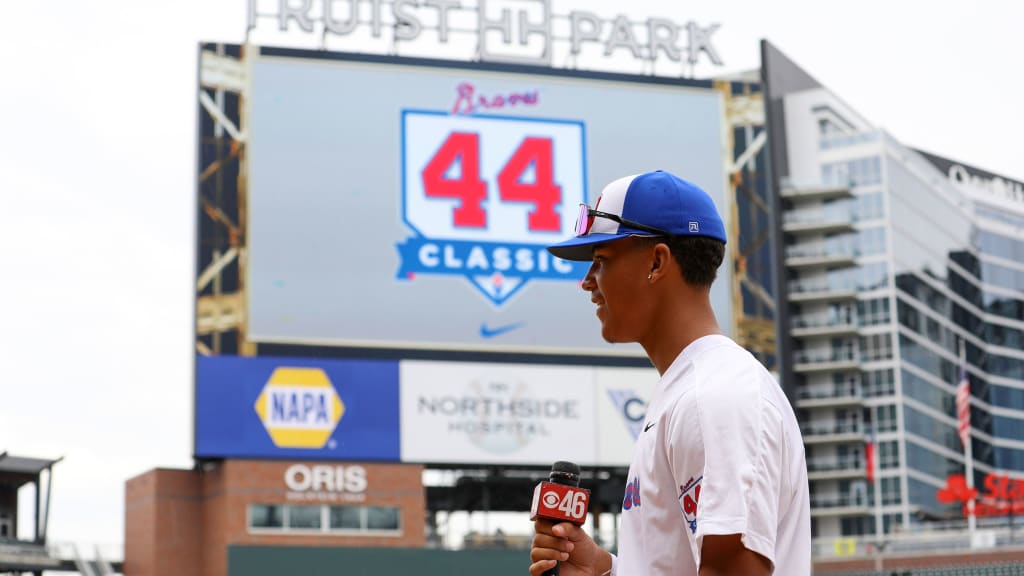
x: 689, y: 497
x: 469, y: 101
x: 485, y: 195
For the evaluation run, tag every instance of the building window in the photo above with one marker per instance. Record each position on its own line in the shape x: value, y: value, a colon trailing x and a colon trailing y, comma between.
x: 879, y: 383
x: 873, y: 312
x: 304, y: 517
x: 888, y: 455
x: 266, y: 516
x: 856, y: 526
x: 375, y: 520
x: 891, y: 491
x: 346, y: 518
x: 891, y: 521
x: 380, y: 518
x: 876, y: 347
x: 852, y: 173
x: 1008, y: 458
x: 887, y: 418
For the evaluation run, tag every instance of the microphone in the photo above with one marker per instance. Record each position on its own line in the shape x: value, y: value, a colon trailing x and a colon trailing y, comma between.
x: 560, y: 499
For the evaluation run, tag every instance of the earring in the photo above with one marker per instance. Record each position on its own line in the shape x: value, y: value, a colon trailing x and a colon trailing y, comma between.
x: 649, y: 276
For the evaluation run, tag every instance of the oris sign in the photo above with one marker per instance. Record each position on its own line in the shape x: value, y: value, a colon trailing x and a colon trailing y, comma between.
x: 326, y: 483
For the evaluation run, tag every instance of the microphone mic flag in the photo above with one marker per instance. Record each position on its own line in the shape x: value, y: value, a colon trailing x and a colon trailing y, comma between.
x: 560, y: 499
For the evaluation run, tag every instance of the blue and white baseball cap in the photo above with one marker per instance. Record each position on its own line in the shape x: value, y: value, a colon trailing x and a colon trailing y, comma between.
x: 652, y: 204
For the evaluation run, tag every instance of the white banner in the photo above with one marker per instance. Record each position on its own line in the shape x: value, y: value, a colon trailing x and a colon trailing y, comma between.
x: 622, y: 395
x: 497, y: 413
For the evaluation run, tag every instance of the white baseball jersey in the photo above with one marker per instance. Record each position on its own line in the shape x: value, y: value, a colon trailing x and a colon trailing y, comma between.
x: 720, y: 453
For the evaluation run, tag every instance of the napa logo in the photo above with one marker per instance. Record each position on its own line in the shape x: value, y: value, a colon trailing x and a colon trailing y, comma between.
x: 299, y: 407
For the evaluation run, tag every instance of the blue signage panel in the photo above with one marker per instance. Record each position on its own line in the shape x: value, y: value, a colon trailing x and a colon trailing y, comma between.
x: 296, y: 408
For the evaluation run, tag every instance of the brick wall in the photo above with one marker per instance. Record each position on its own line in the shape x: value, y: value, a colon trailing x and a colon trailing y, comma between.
x: 182, y: 521
x: 163, y: 523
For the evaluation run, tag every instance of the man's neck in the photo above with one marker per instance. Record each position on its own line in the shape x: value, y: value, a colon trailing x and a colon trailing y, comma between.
x: 675, y: 332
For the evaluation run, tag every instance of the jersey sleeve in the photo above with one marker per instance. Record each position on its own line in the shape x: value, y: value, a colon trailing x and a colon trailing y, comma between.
x: 727, y: 453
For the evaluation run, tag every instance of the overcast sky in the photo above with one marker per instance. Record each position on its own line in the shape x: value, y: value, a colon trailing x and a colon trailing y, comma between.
x: 97, y: 189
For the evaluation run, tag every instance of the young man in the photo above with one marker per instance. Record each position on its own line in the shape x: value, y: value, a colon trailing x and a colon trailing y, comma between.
x: 718, y: 480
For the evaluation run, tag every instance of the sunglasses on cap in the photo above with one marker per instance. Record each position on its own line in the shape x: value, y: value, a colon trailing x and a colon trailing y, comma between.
x: 587, y: 215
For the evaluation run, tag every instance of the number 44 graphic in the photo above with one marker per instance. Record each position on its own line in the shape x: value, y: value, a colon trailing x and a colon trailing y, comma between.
x: 484, y: 195
x: 491, y: 178
x: 464, y: 148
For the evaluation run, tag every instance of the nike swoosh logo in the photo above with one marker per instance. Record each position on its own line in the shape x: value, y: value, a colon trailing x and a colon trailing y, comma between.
x: 649, y: 426
x: 486, y: 332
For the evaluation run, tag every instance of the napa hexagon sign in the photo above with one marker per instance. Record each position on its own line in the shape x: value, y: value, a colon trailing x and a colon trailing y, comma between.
x: 299, y: 407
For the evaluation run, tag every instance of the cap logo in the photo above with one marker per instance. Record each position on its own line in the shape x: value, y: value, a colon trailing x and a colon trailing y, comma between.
x: 694, y: 227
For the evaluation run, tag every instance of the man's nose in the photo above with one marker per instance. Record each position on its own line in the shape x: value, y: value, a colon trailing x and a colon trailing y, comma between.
x: 588, y: 284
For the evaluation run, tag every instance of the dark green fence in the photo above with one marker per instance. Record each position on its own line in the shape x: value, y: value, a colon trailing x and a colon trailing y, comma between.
x: 306, y: 561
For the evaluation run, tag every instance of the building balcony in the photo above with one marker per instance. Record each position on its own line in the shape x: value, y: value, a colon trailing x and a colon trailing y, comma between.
x: 806, y: 221
x: 834, y: 141
x: 825, y: 360
x: 819, y: 291
x: 821, y: 261
x: 818, y: 193
x: 832, y: 432
x: 810, y: 325
x: 838, y: 505
x: 835, y: 468
x: 835, y: 396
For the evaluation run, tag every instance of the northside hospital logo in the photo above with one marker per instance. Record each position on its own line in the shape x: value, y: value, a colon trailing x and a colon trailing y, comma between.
x: 485, y: 192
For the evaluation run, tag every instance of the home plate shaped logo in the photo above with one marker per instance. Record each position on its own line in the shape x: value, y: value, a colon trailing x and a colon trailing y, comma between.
x: 299, y: 407
x: 485, y: 195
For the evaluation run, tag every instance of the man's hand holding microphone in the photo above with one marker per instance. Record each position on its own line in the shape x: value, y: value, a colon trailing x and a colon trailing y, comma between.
x: 560, y: 545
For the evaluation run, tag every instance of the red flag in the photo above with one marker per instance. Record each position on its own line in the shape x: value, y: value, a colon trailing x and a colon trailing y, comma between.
x: 963, y: 407
x: 869, y: 453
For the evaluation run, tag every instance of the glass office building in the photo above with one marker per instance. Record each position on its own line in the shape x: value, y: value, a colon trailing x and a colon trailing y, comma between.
x: 898, y: 269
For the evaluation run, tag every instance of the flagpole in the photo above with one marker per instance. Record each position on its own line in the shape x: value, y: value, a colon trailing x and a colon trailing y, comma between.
x: 968, y: 450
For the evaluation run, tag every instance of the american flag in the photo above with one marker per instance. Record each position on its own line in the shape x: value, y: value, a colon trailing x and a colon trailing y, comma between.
x: 963, y: 407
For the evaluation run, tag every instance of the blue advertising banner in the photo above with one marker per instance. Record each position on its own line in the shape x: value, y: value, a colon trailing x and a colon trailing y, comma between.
x: 296, y: 408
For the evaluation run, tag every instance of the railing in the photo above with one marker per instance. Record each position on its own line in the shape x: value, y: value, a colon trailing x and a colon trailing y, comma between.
x: 831, y: 428
x: 822, y: 321
x: 823, y: 356
x: 837, y: 501
x: 919, y: 542
x: 844, y: 140
x: 836, y: 391
x: 818, y: 216
x: 834, y: 464
x: 820, y: 250
x: 799, y: 286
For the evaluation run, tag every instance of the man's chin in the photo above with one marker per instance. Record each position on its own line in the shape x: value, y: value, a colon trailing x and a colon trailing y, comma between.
x: 610, y: 336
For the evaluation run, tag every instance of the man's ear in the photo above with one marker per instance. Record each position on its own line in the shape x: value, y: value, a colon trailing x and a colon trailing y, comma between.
x: 661, y: 260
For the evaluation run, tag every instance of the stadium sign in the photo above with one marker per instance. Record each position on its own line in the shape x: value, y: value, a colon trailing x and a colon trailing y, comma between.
x: 510, y: 31
x: 994, y: 185
x: 1003, y: 496
x: 299, y: 407
x: 326, y: 483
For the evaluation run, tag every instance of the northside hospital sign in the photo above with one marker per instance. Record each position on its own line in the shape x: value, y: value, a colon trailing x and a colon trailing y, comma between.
x: 509, y: 31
